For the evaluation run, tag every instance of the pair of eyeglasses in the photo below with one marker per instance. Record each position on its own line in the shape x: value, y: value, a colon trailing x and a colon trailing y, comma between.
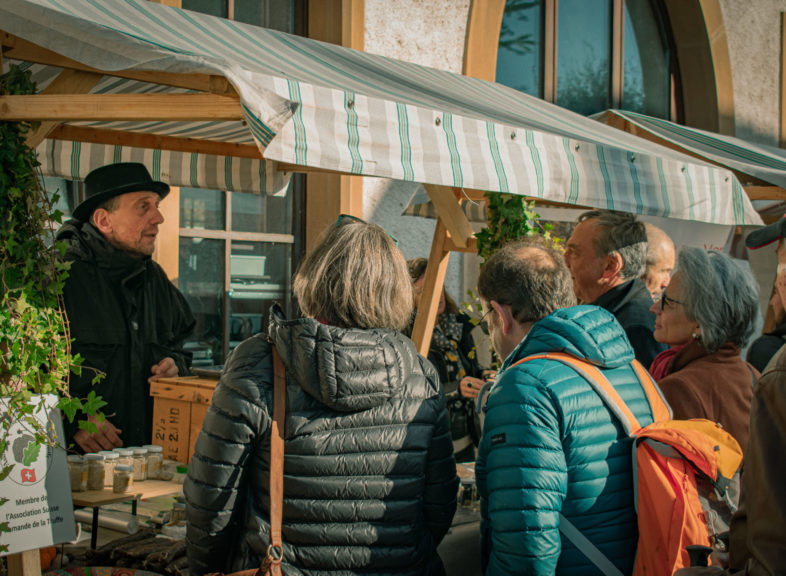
x: 666, y: 300
x: 349, y: 218
x: 483, y: 323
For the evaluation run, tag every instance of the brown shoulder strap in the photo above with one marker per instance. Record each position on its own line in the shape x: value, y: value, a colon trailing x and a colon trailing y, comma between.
x: 272, y: 562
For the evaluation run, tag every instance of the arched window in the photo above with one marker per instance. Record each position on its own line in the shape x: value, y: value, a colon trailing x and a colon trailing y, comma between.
x: 589, y: 55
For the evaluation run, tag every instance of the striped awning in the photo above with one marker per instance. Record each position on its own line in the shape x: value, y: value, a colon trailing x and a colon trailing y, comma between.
x: 319, y: 105
x: 759, y: 161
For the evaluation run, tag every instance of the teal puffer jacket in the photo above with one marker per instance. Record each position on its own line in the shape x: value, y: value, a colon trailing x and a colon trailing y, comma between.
x: 550, y: 445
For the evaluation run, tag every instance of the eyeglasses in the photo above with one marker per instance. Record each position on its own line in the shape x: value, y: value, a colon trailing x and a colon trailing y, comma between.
x: 666, y: 300
x: 349, y: 218
x: 483, y: 323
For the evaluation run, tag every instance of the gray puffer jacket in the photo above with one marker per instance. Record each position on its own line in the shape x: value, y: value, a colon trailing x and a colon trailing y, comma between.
x: 369, y: 479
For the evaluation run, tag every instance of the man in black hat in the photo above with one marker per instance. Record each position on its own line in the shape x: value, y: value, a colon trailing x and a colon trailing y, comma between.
x: 763, y: 349
x: 126, y: 318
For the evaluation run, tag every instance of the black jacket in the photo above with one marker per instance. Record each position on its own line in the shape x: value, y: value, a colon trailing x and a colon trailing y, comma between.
x: 630, y: 303
x: 370, y: 481
x: 124, y: 316
x: 765, y: 346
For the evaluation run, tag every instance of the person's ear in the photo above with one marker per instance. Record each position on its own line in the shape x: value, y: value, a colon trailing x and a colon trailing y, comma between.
x: 102, y: 221
x: 505, y: 316
x: 612, y: 266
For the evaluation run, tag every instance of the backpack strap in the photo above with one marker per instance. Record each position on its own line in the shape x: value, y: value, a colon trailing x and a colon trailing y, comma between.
x: 599, y: 383
x: 587, y: 548
x: 660, y: 408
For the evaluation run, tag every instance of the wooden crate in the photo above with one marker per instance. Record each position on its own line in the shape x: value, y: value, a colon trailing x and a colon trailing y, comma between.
x: 179, y: 406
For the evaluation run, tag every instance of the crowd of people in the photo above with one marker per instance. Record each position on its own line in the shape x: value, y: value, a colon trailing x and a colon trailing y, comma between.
x: 374, y: 430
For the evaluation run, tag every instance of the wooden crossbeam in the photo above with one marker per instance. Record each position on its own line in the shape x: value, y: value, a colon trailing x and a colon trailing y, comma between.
x: 111, y: 107
x: 153, y: 141
x: 67, y: 82
x: 446, y: 202
x: 766, y: 193
x: 18, y: 49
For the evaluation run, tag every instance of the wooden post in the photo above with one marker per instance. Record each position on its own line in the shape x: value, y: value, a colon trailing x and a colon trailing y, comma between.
x: 433, y: 284
x: 27, y: 563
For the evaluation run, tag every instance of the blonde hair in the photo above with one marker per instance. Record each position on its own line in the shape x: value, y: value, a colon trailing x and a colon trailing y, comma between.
x: 356, y: 277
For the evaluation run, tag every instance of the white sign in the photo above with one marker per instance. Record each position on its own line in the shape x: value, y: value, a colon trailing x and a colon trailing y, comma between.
x: 38, y: 511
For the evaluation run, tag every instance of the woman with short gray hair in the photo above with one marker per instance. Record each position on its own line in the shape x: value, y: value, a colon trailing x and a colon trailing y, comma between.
x: 370, y: 479
x: 707, y: 314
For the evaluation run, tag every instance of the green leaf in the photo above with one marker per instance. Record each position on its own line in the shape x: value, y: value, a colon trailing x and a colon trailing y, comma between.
x: 30, y: 454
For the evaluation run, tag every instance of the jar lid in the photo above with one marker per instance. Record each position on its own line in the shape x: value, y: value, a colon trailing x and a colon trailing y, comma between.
x: 139, y: 450
x: 94, y: 456
x: 124, y: 451
x: 74, y: 458
x: 153, y: 448
x: 110, y: 455
x: 182, y: 469
x: 124, y: 468
x: 179, y: 505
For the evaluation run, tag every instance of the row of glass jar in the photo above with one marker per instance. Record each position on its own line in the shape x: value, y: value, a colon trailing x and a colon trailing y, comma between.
x: 96, y: 471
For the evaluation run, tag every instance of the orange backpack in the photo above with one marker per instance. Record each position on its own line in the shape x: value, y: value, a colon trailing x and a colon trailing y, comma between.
x: 686, y: 478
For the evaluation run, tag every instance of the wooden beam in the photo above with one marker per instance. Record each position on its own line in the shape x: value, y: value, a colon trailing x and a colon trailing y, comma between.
x: 471, y: 247
x: 766, y: 193
x: 482, y: 40
x: 27, y: 563
x: 111, y: 107
x: 67, y: 82
x: 18, y: 49
x: 153, y: 141
x: 446, y: 202
x: 782, y: 99
x: 433, y: 284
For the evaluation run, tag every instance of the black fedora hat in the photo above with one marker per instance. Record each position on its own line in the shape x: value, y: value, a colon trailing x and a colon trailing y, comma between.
x: 113, y: 180
x: 767, y: 234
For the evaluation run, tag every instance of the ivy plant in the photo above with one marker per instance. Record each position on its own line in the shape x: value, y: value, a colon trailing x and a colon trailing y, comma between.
x: 35, y: 352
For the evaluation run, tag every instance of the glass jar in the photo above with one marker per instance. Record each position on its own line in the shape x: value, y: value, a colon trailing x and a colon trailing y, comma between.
x: 140, y: 464
x: 123, y: 479
x: 168, y: 470
x: 77, y: 473
x: 126, y: 457
x: 178, y: 515
x: 110, y: 461
x: 155, y: 457
x: 95, y: 471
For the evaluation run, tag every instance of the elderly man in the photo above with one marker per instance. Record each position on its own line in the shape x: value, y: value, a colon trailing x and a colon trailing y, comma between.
x: 552, y: 455
x: 659, y: 265
x: 605, y: 256
x: 126, y: 318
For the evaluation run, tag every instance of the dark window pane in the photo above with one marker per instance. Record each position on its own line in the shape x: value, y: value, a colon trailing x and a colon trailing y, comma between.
x: 201, y: 280
x: 276, y: 14
x: 646, y: 70
x: 212, y: 7
x: 259, y: 273
x: 519, y: 55
x: 583, y: 55
x: 202, y: 209
x: 266, y: 214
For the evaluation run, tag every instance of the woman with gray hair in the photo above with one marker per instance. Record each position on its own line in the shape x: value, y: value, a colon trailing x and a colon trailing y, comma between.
x: 370, y: 480
x: 708, y: 312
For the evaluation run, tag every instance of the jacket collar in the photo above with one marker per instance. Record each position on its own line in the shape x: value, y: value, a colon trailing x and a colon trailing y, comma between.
x: 619, y: 296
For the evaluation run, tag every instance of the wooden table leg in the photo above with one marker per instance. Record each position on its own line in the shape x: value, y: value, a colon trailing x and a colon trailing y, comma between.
x: 27, y: 563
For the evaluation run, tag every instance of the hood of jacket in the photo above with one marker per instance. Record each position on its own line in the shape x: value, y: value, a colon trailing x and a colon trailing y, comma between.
x: 347, y: 369
x: 86, y: 244
x: 587, y: 332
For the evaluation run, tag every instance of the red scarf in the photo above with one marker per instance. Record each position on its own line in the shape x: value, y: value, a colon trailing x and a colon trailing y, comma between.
x: 660, y: 365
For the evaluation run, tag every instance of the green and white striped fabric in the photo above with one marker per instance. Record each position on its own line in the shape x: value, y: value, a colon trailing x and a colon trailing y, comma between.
x: 321, y: 105
x: 758, y: 160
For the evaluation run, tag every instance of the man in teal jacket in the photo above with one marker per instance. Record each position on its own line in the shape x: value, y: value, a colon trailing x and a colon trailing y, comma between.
x: 550, y: 447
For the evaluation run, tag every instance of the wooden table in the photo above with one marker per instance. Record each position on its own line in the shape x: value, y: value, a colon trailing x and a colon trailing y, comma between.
x: 139, y: 491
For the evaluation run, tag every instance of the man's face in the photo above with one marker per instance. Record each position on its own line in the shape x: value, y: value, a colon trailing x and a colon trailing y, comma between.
x: 585, y: 266
x: 659, y: 274
x: 133, y: 225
